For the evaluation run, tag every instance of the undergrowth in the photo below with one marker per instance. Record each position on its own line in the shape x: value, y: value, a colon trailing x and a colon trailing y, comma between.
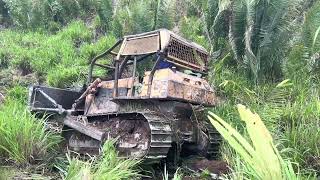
x: 256, y: 153
x: 289, y: 109
x: 6, y: 173
x: 24, y: 138
x: 107, y: 166
x: 59, y: 60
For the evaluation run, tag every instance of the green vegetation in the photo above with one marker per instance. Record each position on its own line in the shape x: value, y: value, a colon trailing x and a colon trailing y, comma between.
x: 178, y: 175
x: 262, y: 160
x: 23, y: 138
x: 265, y: 55
x: 108, y: 166
x: 289, y: 110
x: 6, y: 174
x: 59, y: 60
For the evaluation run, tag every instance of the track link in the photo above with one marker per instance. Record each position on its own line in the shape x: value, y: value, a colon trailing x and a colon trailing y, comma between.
x: 215, y: 141
x: 161, y: 136
x: 160, y: 133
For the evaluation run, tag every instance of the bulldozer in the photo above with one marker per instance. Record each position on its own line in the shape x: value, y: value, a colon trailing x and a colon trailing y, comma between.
x: 152, y: 99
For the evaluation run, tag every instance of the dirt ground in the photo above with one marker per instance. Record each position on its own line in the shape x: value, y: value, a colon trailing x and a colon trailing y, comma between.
x: 213, y: 166
x: 204, y: 168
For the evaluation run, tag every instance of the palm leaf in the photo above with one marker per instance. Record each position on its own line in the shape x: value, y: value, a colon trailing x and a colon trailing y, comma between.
x: 315, y: 37
x: 261, y: 158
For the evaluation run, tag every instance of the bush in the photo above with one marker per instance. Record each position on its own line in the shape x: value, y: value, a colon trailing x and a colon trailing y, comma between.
x: 310, y: 26
x: 89, y: 50
x: 76, y: 31
x: 134, y: 18
x: 192, y: 28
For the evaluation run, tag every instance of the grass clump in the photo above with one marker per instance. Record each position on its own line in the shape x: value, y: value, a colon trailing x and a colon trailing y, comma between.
x: 107, y: 166
x: 23, y: 138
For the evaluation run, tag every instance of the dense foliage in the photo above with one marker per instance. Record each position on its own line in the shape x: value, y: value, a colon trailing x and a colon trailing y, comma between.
x: 254, y: 45
x: 23, y: 139
x: 257, y: 152
x: 59, y: 60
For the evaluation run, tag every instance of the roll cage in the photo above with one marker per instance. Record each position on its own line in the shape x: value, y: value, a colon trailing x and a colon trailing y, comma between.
x: 162, y: 45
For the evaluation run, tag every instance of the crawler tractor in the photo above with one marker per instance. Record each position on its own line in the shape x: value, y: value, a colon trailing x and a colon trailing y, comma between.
x: 151, y: 99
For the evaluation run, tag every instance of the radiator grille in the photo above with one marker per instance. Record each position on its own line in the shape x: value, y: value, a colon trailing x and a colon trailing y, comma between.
x: 187, y: 55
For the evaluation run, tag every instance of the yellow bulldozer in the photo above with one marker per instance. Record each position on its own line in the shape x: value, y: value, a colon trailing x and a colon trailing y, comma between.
x: 151, y: 100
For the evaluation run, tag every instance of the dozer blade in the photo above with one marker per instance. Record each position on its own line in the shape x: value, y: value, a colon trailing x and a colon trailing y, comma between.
x: 48, y: 99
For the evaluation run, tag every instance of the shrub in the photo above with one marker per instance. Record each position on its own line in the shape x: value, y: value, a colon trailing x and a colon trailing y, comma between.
x: 134, y: 18
x: 104, y: 11
x: 310, y: 27
x: 44, y: 14
x: 90, y: 50
x: 76, y: 31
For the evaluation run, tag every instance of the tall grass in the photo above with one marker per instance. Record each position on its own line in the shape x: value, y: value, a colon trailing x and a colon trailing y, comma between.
x: 302, y: 133
x: 60, y: 59
x: 260, y: 156
x: 178, y: 175
x: 23, y: 138
x: 108, y: 166
x: 17, y: 93
x: 289, y: 109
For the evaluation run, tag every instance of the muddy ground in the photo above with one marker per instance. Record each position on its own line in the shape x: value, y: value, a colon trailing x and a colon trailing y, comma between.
x: 192, y: 168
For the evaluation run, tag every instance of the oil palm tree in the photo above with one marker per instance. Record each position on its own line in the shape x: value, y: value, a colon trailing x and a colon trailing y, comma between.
x: 258, y: 32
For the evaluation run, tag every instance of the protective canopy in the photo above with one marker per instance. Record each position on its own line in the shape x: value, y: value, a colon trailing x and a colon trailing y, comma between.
x: 179, y: 50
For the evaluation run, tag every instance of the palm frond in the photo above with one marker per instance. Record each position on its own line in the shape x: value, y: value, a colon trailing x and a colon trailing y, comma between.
x: 258, y: 29
x: 260, y: 156
x: 315, y: 38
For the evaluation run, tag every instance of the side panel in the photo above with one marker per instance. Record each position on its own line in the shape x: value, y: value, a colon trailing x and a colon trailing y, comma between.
x: 168, y: 84
x: 181, y: 92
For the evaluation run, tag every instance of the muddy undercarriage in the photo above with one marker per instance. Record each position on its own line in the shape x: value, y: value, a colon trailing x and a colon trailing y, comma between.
x: 145, y: 132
